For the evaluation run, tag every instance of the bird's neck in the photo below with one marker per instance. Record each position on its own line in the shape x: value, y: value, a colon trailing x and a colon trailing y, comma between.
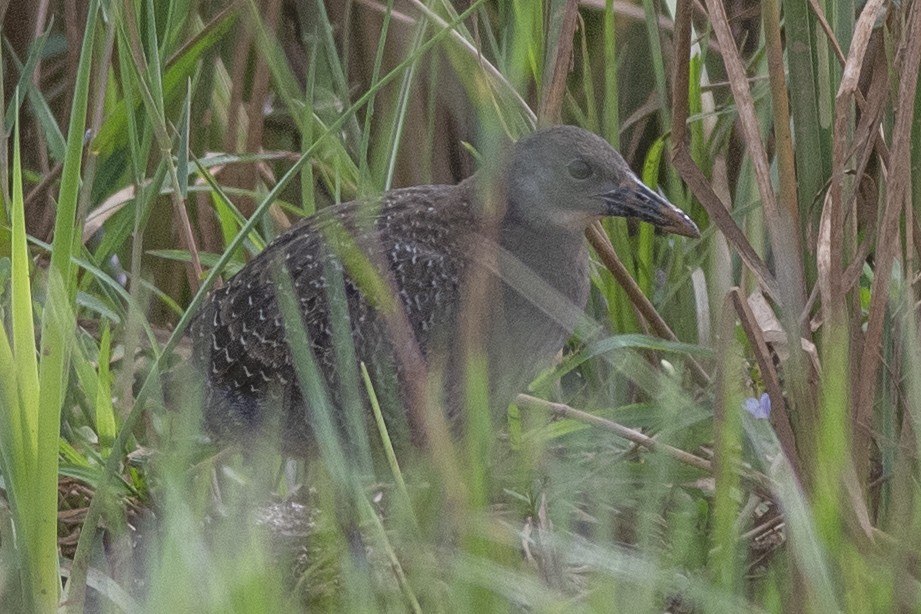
x: 555, y: 253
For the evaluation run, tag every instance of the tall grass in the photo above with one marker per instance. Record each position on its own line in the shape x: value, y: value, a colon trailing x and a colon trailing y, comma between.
x: 628, y: 477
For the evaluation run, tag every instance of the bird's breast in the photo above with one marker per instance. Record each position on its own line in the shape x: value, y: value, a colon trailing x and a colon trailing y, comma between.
x: 545, y: 287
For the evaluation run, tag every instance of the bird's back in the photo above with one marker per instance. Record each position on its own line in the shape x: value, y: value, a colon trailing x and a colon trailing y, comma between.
x: 416, y: 236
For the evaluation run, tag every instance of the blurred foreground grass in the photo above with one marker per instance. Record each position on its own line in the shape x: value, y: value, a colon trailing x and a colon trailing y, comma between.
x: 151, y: 147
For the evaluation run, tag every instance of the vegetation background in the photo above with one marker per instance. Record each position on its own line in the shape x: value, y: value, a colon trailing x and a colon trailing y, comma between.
x: 150, y: 148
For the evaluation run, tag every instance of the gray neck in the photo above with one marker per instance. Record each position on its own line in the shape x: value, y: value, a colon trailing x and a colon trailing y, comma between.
x: 556, y: 255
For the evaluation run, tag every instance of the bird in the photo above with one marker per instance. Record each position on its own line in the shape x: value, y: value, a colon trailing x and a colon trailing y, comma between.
x: 426, y: 247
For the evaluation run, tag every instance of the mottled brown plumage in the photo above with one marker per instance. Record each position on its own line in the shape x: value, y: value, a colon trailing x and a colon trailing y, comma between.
x: 555, y: 183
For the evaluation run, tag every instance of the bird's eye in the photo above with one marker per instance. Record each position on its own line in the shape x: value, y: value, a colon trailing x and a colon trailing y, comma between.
x: 579, y: 169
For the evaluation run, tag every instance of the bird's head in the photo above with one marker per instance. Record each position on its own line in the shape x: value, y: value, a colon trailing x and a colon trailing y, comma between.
x: 569, y: 177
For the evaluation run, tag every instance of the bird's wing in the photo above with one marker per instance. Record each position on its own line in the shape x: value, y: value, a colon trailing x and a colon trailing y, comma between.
x: 239, y: 334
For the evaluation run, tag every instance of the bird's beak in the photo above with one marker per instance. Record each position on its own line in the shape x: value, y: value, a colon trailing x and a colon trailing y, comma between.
x: 634, y: 199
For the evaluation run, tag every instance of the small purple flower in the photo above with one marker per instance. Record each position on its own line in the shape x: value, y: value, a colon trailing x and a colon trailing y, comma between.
x: 759, y: 408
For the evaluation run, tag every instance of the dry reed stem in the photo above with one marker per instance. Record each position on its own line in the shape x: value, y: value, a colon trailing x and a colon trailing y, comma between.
x: 259, y: 91
x: 558, y: 62
x: 757, y: 481
x: 784, y: 235
x: 888, y: 242
x: 832, y: 282
x: 696, y: 181
x: 786, y: 168
x: 781, y: 418
x: 826, y: 28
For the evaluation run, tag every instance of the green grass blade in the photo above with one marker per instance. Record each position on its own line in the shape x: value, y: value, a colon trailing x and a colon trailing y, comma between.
x: 22, y: 320
x: 20, y: 387
x: 57, y: 336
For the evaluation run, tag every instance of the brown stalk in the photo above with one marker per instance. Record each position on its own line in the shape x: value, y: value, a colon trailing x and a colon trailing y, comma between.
x: 46, y: 180
x: 888, y: 242
x: 242, y: 46
x: 602, y: 244
x: 781, y: 418
x: 259, y: 90
x: 783, y: 233
x: 867, y: 138
x: 757, y: 481
x: 691, y: 173
x: 41, y: 17
x: 559, y: 57
x: 832, y: 284
x: 786, y: 168
x: 826, y: 28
